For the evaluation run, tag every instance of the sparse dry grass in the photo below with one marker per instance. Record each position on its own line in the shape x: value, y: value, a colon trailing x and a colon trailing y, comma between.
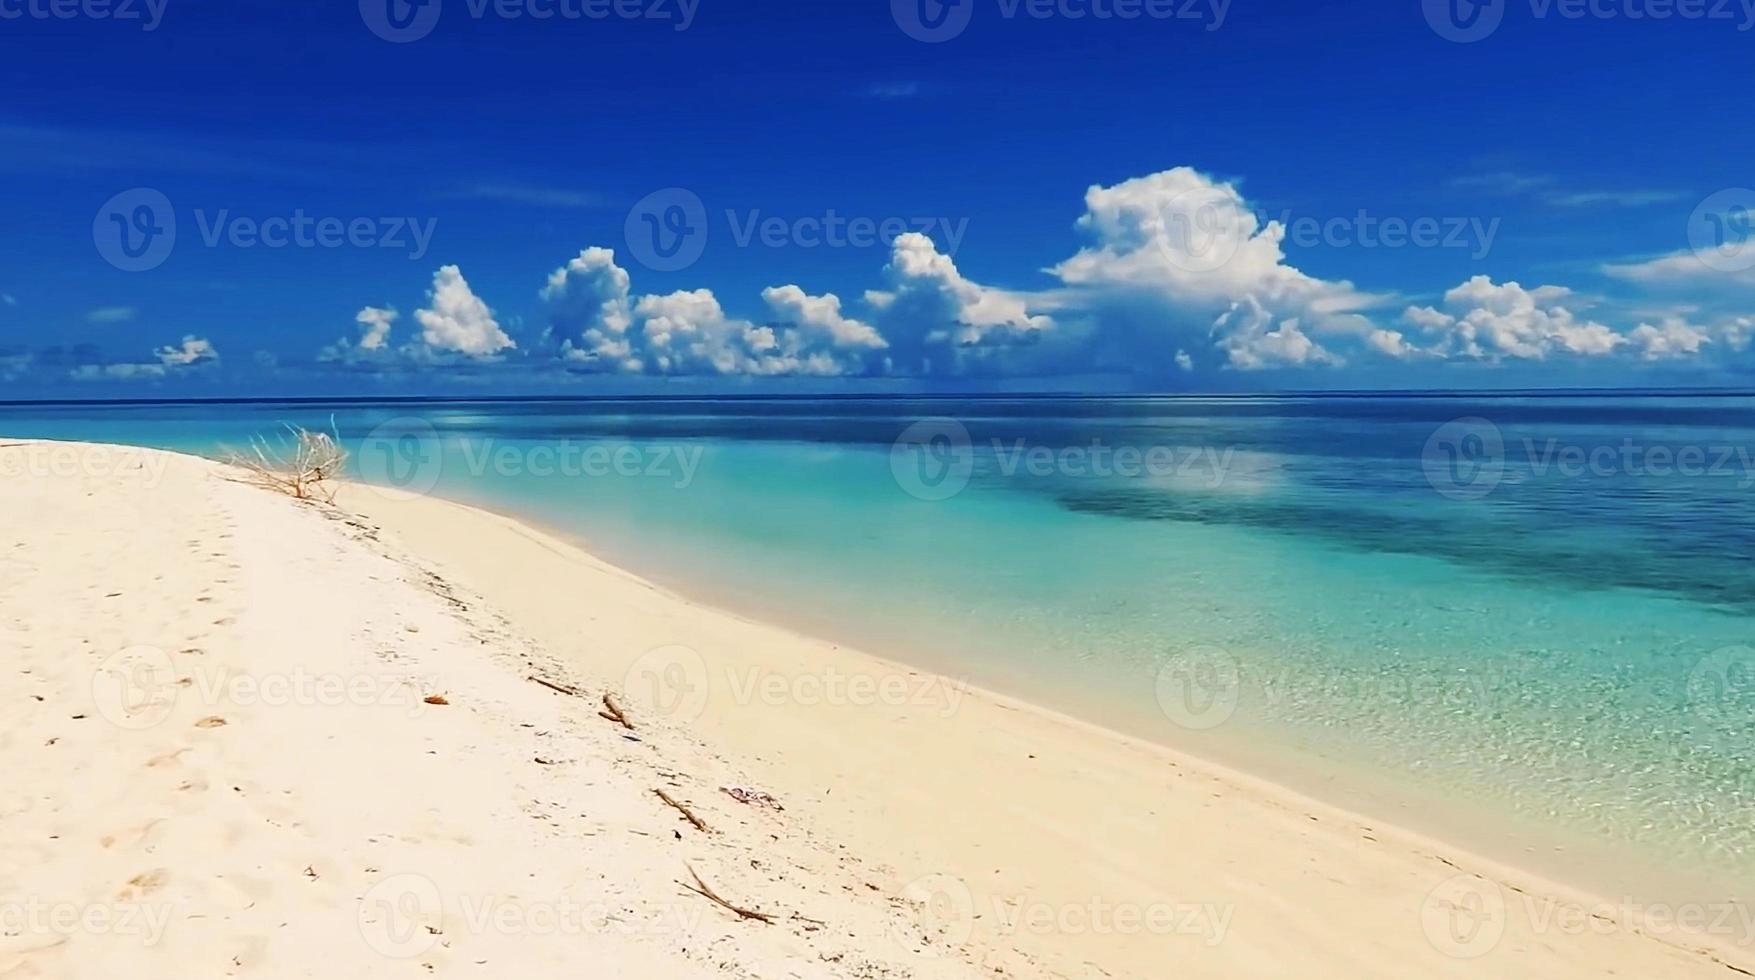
x: 301, y: 464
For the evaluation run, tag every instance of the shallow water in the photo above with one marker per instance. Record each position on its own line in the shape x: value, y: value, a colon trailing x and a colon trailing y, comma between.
x: 1526, y: 627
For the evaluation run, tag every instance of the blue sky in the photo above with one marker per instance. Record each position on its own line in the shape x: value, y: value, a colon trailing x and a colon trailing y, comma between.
x: 1156, y: 195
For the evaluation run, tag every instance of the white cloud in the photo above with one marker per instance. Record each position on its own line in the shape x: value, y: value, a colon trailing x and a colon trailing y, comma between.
x: 1252, y: 340
x: 193, y: 350
x: 373, y: 346
x: 820, y: 316
x: 541, y: 197
x: 192, y: 353
x: 375, y: 325
x: 939, y: 321
x: 458, y: 321
x: 7, y: 299
x: 1681, y: 269
x: 1175, y: 253
x: 1669, y: 339
x: 689, y: 332
x: 588, y: 298
x: 104, y: 315
x: 1492, y: 322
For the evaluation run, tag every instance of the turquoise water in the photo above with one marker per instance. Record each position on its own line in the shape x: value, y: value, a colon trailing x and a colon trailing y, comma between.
x: 1526, y: 629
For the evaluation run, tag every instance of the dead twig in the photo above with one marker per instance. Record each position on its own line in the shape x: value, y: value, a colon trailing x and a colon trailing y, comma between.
x: 700, y: 825
x: 614, y: 713
x: 702, y: 889
x: 564, y: 689
x: 302, y: 464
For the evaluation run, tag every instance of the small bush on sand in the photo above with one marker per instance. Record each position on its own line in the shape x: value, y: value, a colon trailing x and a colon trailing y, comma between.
x: 301, y: 464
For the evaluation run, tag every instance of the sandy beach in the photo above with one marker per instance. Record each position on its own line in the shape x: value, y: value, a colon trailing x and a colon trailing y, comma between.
x: 251, y: 736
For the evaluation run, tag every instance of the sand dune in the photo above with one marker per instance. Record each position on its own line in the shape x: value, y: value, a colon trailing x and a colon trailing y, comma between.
x: 221, y: 760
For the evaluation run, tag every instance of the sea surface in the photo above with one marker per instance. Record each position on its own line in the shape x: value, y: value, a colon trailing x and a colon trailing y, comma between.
x: 1525, y: 622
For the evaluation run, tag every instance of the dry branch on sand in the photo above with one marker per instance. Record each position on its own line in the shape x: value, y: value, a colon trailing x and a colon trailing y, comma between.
x: 302, y: 464
x: 700, y: 825
x: 702, y: 889
x: 613, y: 712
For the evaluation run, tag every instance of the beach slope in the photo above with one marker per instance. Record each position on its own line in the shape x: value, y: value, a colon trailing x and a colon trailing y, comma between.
x: 249, y: 736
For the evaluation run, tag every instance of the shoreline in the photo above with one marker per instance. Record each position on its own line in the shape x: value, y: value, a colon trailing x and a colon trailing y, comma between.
x: 1444, y: 855
x: 1514, y: 841
x: 925, y: 828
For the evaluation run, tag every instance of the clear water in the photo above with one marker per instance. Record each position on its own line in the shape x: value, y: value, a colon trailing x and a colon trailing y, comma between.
x: 1530, y: 633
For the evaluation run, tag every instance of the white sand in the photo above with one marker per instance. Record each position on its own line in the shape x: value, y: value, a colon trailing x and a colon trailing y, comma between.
x: 336, y: 825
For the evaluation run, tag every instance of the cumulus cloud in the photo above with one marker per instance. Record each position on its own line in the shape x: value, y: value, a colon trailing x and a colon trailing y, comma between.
x: 1253, y: 339
x: 1671, y: 338
x: 458, y: 321
x: 373, y: 346
x: 588, y: 298
x: 1486, y: 321
x: 1175, y: 252
x: 375, y: 326
x: 689, y: 331
x: 939, y: 321
x: 193, y: 350
x: 1175, y: 274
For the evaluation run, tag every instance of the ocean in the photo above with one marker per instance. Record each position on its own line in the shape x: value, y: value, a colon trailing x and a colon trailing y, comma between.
x: 1523, y: 621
